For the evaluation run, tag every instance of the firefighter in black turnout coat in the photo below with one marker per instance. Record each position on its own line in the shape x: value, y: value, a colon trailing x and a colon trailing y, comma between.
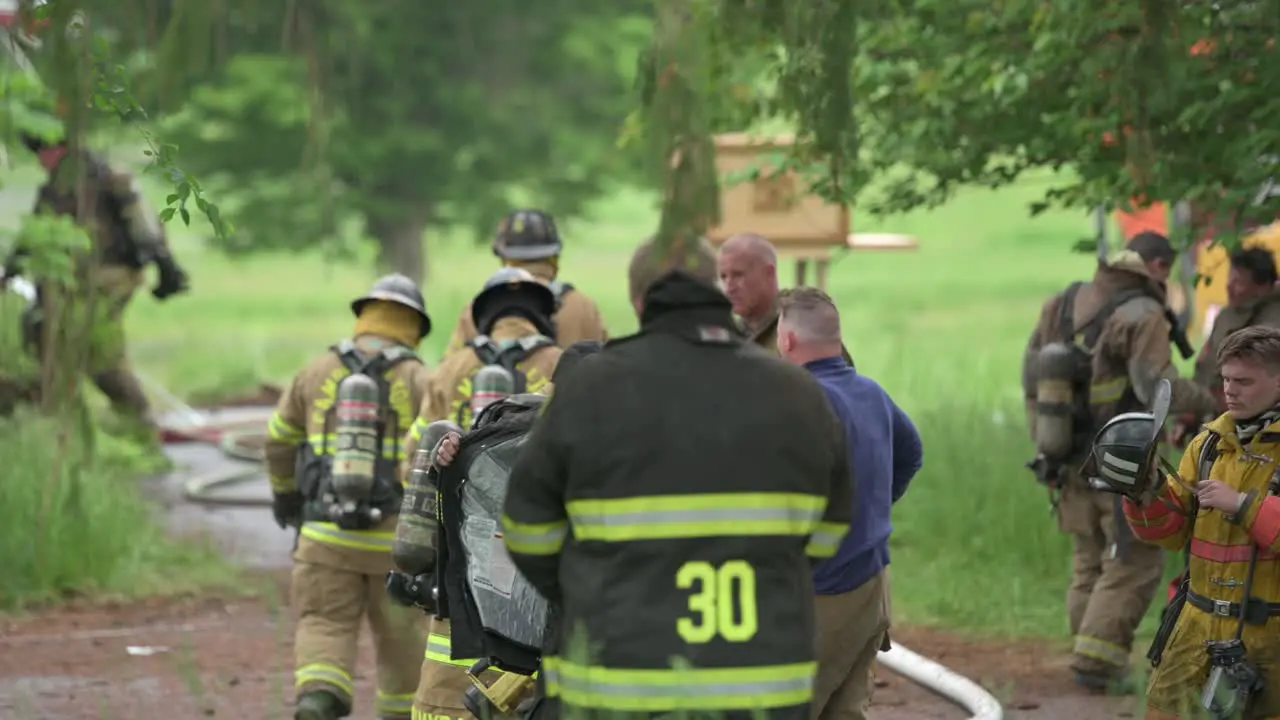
x: 676, y: 486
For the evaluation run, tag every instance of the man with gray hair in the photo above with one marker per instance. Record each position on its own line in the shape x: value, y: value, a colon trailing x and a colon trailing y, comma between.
x: 748, y: 268
x: 885, y: 454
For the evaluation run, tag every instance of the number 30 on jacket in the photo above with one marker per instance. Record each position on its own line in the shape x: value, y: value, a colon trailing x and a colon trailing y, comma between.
x: 723, y: 601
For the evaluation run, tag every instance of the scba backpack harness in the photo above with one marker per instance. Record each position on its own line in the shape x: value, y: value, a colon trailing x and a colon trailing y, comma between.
x: 507, y: 356
x: 317, y: 469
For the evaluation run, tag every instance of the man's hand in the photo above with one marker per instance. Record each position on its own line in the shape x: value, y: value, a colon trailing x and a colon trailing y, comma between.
x: 172, y: 280
x: 1220, y: 496
x: 287, y: 509
x: 447, y: 449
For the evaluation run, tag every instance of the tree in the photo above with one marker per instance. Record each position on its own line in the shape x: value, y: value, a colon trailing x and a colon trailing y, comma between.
x: 406, y: 115
x: 976, y: 93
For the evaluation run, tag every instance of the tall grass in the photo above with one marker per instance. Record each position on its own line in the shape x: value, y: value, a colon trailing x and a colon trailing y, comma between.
x: 73, y: 520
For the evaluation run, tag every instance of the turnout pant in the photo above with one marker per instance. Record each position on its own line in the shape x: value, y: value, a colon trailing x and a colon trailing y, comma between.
x: 851, y: 629
x: 331, y: 602
x: 1114, y: 578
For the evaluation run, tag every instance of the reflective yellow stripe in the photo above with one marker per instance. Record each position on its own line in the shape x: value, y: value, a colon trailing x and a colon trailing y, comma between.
x: 438, y: 649
x: 331, y: 534
x: 393, y: 704
x: 327, y: 674
x: 418, y: 427
x: 1108, y: 391
x: 1099, y: 649
x: 670, y: 517
x: 282, y: 484
x: 825, y: 540
x: 743, y: 688
x: 534, y: 539
x: 325, y: 443
x: 278, y: 429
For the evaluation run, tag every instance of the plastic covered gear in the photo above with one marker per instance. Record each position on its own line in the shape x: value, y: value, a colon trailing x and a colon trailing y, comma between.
x: 399, y: 289
x: 514, y: 291
x: 527, y: 235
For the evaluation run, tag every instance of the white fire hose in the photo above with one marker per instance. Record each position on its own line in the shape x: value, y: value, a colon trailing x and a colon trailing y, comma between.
x: 979, y: 703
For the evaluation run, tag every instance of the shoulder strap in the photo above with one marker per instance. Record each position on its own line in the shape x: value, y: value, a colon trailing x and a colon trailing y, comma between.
x: 1092, y: 328
x: 560, y: 289
x: 1066, y: 312
x: 1204, y: 465
x: 485, y: 349
x: 376, y: 367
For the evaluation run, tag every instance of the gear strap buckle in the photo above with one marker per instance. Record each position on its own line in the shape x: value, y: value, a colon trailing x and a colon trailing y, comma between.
x: 1222, y: 608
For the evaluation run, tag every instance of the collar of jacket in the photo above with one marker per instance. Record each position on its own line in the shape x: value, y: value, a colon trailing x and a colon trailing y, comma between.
x: 1225, y: 426
x: 1248, y: 308
x: 679, y: 304
x: 1111, y: 280
x: 827, y: 365
x: 755, y: 333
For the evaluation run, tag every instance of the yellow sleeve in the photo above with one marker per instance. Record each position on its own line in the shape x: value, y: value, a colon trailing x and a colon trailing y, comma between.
x: 286, y: 432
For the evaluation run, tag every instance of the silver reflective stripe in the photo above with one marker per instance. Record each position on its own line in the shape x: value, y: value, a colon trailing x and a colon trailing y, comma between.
x: 1117, y: 477
x: 1121, y: 463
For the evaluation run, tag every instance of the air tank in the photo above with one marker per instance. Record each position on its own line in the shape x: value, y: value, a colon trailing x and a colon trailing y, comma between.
x: 1056, y: 368
x: 490, y: 384
x: 355, y: 458
x: 414, y: 551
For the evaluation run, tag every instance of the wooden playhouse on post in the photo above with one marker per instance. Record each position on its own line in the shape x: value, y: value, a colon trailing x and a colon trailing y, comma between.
x: 777, y: 205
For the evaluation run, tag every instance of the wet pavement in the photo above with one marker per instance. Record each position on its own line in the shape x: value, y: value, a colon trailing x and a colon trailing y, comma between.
x: 248, y: 536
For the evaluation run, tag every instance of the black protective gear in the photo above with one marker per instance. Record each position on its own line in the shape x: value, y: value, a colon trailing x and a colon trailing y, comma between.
x: 172, y: 279
x: 287, y: 509
x: 398, y: 289
x: 526, y: 235
x: 1124, y: 455
x: 514, y: 291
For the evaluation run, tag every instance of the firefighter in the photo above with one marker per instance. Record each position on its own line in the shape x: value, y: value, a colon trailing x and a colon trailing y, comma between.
x: 339, y: 573
x: 528, y: 239
x: 747, y: 265
x: 514, y: 311
x: 1223, y: 510
x: 1252, y: 299
x: 1118, y: 324
x: 676, y: 486
x: 126, y: 237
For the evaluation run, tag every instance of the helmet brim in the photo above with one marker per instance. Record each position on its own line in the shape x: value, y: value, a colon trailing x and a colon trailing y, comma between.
x: 527, y: 252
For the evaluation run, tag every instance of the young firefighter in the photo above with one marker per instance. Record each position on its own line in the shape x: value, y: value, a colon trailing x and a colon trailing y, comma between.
x: 514, y: 312
x: 1223, y: 509
x: 676, y: 486
x: 339, y: 573
x: 529, y: 240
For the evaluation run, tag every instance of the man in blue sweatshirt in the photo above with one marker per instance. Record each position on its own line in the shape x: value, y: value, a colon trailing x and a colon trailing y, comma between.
x: 885, y: 453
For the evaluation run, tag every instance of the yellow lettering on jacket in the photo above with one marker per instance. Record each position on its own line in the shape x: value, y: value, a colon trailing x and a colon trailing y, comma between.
x: 724, y: 602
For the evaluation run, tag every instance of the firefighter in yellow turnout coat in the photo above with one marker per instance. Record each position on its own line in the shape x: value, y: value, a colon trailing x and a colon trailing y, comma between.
x: 339, y: 574
x: 1224, y: 510
x: 514, y: 312
x: 528, y: 239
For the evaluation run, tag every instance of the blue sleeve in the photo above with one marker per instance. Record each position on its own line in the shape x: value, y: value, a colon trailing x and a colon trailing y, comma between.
x: 908, y: 451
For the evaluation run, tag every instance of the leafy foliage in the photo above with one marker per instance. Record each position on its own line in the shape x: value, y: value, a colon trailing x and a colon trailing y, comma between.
x: 974, y: 93
x: 406, y: 114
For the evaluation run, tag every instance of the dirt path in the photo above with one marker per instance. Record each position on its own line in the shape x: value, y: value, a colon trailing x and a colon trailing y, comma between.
x: 198, y: 658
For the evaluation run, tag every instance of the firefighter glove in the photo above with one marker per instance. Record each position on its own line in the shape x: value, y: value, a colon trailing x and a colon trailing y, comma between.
x: 287, y: 509
x: 172, y: 279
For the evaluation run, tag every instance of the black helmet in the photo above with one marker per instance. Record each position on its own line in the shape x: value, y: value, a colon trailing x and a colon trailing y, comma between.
x: 527, y: 235
x: 401, y: 290
x: 514, y: 291
x: 1122, y: 454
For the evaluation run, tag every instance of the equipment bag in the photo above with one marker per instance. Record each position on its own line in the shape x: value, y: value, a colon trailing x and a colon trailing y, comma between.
x: 315, y: 470
x: 494, y: 612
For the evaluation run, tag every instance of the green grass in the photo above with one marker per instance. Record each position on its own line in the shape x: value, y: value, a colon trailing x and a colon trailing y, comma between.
x: 943, y: 329
x: 74, y: 523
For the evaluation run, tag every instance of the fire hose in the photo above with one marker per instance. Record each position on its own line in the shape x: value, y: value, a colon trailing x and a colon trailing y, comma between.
x: 204, y: 489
